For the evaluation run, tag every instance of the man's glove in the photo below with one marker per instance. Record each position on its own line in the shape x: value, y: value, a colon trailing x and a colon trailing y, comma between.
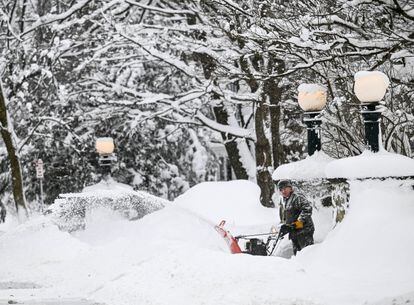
x: 285, y: 229
x: 298, y: 224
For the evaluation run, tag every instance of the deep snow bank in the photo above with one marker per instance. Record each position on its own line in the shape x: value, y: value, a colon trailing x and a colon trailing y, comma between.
x: 76, y: 265
x: 374, y: 246
x: 28, y: 251
x: 237, y: 202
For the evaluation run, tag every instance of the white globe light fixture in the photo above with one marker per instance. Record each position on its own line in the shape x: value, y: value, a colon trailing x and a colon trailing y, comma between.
x: 104, y: 146
x: 312, y: 99
x: 370, y: 88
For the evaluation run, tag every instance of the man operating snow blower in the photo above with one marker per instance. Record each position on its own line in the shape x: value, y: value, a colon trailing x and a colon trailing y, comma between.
x: 296, y: 220
x: 296, y: 216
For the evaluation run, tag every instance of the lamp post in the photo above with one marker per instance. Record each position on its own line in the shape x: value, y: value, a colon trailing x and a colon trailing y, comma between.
x: 312, y: 99
x: 370, y: 88
x: 105, y: 148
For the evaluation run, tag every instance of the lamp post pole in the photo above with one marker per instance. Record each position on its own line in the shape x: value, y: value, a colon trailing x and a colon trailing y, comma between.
x: 372, y: 119
x: 313, y: 125
x: 105, y: 163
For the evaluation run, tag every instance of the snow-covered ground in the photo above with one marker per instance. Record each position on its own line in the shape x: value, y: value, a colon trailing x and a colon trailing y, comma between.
x: 174, y: 255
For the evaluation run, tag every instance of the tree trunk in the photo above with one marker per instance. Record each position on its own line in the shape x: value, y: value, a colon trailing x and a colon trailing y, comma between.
x: 231, y: 145
x: 274, y: 94
x: 263, y: 159
x: 222, y: 117
x: 262, y: 148
x: 17, y: 180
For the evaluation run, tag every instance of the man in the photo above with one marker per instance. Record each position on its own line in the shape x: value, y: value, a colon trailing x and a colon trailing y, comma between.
x: 296, y: 216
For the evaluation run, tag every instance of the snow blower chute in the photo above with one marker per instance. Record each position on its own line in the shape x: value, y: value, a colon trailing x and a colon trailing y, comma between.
x: 230, y: 240
x: 254, y: 245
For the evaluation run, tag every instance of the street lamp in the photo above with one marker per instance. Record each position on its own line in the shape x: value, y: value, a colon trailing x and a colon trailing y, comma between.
x: 312, y: 99
x: 370, y: 88
x: 105, y: 148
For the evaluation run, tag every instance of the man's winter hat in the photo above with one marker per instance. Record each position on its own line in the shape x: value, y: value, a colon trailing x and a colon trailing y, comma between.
x: 284, y: 183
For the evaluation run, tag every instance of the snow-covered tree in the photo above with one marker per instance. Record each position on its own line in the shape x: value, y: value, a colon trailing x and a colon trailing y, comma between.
x: 146, y: 72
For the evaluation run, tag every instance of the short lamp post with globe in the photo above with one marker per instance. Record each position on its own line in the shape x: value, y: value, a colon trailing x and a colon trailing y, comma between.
x: 105, y: 148
x: 370, y: 88
x: 312, y: 99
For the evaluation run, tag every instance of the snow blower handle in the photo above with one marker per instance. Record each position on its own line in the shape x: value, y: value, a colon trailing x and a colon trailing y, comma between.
x: 282, y: 233
x: 252, y: 235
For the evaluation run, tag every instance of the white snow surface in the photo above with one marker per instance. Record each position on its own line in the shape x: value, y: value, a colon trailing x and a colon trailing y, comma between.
x: 362, y: 74
x: 174, y: 255
x: 369, y: 164
x: 311, y: 88
x: 366, y: 165
x: 216, y: 201
x: 105, y: 187
x: 311, y: 167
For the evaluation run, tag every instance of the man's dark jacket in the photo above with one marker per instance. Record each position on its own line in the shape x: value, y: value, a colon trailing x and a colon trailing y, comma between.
x: 297, y: 208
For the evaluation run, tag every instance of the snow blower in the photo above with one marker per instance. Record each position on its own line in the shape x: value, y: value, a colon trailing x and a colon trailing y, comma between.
x: 254, y: 245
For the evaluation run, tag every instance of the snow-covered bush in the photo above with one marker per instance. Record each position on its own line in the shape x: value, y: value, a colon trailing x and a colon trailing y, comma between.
x: 69, y: 210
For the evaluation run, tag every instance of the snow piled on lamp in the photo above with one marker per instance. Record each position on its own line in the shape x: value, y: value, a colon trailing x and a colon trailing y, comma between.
x: 370, y: 86
x: 312, y: 97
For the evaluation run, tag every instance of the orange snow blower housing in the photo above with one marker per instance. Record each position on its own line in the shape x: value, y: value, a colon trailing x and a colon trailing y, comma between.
x: 230, y: 240
x: 254, y: 246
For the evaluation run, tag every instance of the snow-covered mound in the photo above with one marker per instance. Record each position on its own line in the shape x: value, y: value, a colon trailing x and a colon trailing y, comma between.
x: 78, y: 264
x: 33, y: 247
x: 237, y: 202
x: 369, y: 164
x: 310, y: 168
x: 373, y: 246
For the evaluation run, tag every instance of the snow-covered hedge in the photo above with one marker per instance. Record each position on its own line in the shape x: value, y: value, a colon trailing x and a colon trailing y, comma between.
x: 69, y: 210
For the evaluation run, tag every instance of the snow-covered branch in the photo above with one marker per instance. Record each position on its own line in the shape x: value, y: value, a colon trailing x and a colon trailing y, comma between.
x: 51, y: 18
x: 53, y: 119
x: 231, y: 130
x: 160, y: 9
x: 167, y: 58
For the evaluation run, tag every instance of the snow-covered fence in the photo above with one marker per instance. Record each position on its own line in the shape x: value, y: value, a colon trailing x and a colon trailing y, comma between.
x: 69, y: 210
x: 311, y: 181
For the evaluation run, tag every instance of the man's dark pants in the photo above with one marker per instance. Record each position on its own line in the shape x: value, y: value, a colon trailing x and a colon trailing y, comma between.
x: 300, y: 241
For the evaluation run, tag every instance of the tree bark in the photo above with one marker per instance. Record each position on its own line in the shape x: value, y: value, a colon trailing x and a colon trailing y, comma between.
x: 231, y: 145
x: 262, y: 147
x: 263, y: 159
x: 17, y: 179
x: 274, y: 93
